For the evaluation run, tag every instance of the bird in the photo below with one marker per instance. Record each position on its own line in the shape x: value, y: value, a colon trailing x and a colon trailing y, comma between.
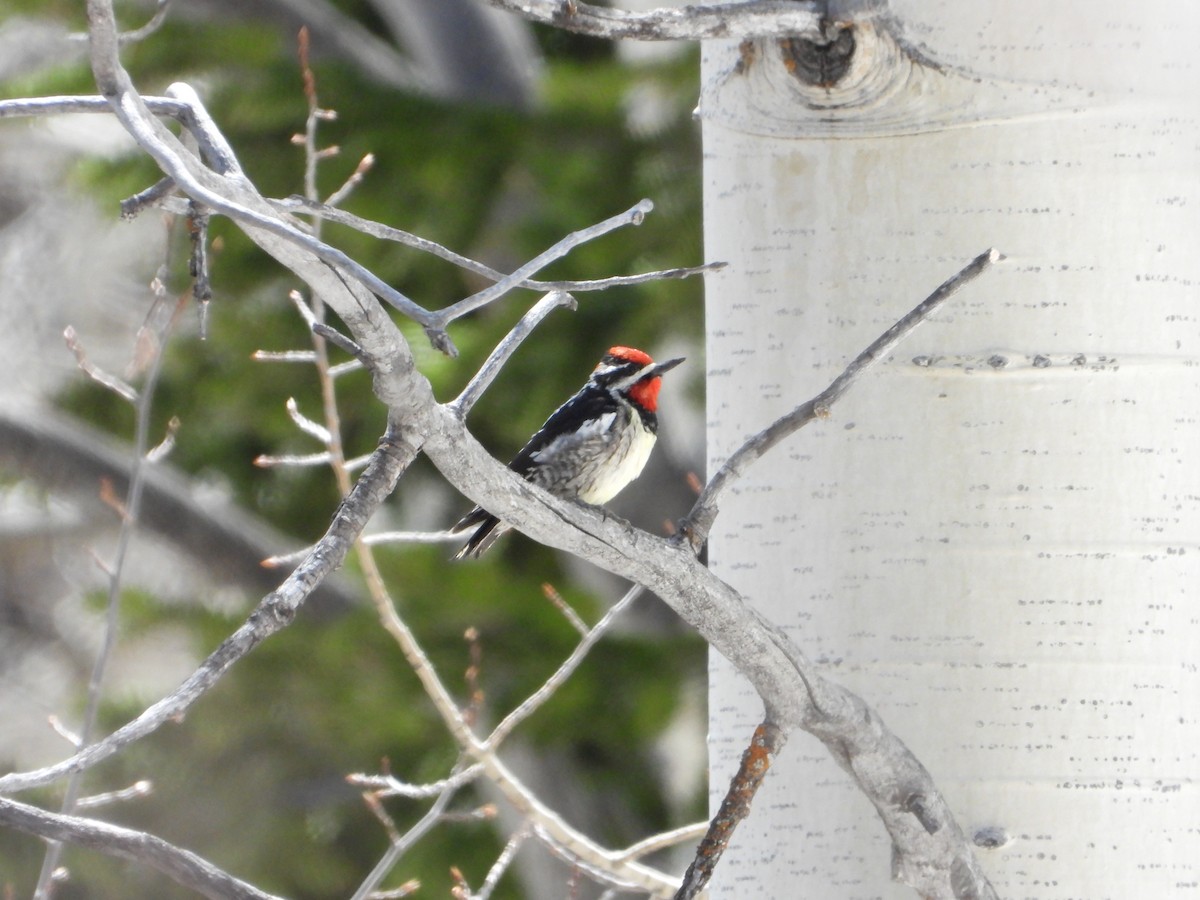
x: 592, y: 446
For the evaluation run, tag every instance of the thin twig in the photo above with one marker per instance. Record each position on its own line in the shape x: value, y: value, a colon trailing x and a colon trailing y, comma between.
x: 82, y: 103
x: 131, y: 505
x: 288, y: 356
x: 500, y: 866
x: 138, y: 34
x: 389, y: 785
x: 141, y: 788
x: 331, y: 432
x: 487, y: 373
x: 63, y: 731
x: 360, y: 172
x: 475, y: 695
x: 601, y: 874
x: 635, y: 215
x: 106, y: 379
x: 407, y: 889
x: 764, y: 746
x: 398, y: 848
x: 411, y: 537
x: 484, y: 813
x: 377, y: 809
x: 307, y: 425
x: 665, y: 839
x: 131, y: 207
x: 198, y: 263
x: 551, y: 593
x: 269, y: 461
x: 312, y: 156
x: 335, y: 337
x: 310, y: 356
x: 535, y: 700
x: 698, y: 523
x: 163, y: 448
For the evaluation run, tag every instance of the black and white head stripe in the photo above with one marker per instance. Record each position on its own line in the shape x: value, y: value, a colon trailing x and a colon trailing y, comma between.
x: 623, y: 367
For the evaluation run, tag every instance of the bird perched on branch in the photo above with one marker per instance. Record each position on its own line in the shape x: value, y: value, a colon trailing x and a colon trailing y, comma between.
x: 591, y: 446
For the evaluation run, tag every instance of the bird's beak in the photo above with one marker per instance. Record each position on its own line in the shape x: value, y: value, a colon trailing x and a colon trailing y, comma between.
x: 663, y: 367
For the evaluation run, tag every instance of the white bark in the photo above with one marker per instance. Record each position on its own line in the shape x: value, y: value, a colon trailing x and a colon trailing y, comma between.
x: 994, y: 537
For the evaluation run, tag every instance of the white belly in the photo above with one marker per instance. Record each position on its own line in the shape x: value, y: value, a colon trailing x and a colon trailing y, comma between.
x: 596, y: 464
x: 632, y: 453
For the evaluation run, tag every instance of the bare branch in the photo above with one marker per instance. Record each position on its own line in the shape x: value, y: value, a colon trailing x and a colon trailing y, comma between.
x: 390, y: 786
x: 137, y: 789
x: 688, y: 23
x: 698, y: 523
x: 487, y: 373
x: 217, y: 190
x: 197, y: 221
x: 335, y: 337
x: 62, y: 105
x: 163, y: 448
x: 63, y: 731
x: 138, y: 34
x: 156, y: 22
x: 635, y: 215
x: 602, y: 874
x: 106, y: 379
x: 551, y: 593
x: 360, y: 172
x: 531, y: 703
x: 768, y: 740
x: 131, y: 207
x: 412, y: 537
x: 305, y: 424
x: 399, y: 847
x: 396, y: 235
x: 192, y: 116
x: 407, y: 889
x: 500, y: 866
x: 182, y: 866
x: 269, y: 461
x: 156, y: 339
x: 666, y: 839
x: 288, y: 356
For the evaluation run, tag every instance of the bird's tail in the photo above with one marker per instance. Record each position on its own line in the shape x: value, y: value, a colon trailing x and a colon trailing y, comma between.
x: 487, y: 529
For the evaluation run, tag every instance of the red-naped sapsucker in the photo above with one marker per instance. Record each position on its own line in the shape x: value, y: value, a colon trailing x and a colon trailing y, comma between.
x: 592, y: 446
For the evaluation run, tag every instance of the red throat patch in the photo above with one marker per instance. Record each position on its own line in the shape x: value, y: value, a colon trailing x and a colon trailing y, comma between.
x: 645, y: 393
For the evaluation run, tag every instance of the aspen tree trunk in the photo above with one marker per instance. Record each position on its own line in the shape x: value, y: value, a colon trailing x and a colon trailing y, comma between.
x: 995, y: 537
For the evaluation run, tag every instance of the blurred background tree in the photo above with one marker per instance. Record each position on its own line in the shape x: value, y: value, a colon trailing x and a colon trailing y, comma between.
x: 491, y: 137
